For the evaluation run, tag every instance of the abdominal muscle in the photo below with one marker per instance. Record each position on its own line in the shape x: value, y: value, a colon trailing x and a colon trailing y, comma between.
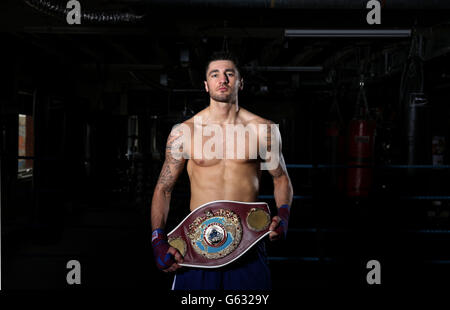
x: 236, y: 180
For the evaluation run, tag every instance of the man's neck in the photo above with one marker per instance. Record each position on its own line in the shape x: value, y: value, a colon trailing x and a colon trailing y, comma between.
x: 223, y: 112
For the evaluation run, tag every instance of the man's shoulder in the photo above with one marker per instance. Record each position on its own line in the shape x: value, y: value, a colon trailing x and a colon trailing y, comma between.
x: 251, y: 118
x: 186, y: 127
x: 190, y: 122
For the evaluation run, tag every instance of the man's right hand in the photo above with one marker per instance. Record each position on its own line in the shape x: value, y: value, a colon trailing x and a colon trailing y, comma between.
x: 166, y: 257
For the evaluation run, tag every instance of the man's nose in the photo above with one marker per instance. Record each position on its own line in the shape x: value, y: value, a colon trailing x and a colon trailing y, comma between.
x: 224, y: 79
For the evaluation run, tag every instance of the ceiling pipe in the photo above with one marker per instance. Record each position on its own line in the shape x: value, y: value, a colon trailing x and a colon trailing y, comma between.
x: 302, y: 4
x: 348, y: 33
x: 285, y: 68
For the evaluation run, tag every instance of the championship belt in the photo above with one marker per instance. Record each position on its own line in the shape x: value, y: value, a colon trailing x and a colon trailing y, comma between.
x: 219, y: 232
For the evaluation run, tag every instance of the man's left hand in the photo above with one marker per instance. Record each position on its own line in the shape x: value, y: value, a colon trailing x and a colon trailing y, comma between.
x: 274, y: 235
x: 279, y: 225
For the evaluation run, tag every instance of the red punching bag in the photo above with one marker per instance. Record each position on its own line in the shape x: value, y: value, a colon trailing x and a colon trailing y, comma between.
x: 360, y: 154
x: 360, y: 150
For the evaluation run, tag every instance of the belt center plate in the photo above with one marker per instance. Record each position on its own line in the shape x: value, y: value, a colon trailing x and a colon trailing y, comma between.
x: 216, y: 234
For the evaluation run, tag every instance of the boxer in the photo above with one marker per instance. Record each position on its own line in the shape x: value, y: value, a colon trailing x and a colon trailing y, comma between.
x: 221, y: 178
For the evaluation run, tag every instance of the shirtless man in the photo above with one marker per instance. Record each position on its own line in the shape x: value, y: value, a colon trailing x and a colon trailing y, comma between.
x: 220, y: 179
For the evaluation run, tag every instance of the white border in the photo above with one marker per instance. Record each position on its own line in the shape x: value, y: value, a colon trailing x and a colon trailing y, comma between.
x: 1, y: 206
x: 251, y: 245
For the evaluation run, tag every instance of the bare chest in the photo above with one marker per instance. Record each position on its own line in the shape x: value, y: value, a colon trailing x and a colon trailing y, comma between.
x: 207, y: 150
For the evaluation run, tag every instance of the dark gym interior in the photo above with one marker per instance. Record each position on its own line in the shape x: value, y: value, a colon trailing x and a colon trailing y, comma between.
x: 86, y: 110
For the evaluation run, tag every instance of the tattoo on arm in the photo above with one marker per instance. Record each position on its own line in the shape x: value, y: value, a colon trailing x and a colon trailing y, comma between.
x: 281, y: 168
x: 172, y: 167
x: 278, y: 172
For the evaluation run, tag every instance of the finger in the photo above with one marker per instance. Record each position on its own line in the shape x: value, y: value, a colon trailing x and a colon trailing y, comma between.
x: 273, y: 236
x: 175, y: 267
x: 275, y: 222
x: 178, y: 257
x: 176, y: 254
x: 172, y: 268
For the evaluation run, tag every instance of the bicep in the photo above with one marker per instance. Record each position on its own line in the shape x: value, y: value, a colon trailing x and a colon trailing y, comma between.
x: 280, y: 170
x: 173, y: 163
x: 271, y: 140
x: 169, y: 174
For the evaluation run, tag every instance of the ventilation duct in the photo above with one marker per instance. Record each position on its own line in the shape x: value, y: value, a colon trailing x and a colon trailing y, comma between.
x: 58, y: 9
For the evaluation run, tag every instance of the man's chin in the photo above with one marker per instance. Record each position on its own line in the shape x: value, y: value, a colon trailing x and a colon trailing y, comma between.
x: 225, y: 98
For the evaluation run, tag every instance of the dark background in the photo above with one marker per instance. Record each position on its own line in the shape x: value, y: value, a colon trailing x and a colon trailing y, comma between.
x: 103, y: 96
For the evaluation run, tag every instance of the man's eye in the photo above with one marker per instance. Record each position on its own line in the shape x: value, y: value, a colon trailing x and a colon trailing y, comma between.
x: 213, y: 75
x: 230, y: 74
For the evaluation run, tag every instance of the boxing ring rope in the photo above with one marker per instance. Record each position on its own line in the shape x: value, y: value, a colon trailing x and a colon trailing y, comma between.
x: 336, y: 230
x: 309, y: 166
x: 298, y: 197
x: 322, y: 166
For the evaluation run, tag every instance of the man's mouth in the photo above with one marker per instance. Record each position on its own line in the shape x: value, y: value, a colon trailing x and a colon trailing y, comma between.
x: 223, y: 88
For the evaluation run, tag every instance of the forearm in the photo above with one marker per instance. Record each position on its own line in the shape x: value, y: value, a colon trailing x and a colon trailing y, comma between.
x: 283, y: 191
x: 283, y: 197
x: 160, y: 207
x: 165, y: 256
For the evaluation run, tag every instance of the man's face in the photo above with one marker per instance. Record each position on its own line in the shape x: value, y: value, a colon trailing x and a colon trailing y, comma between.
x: 223, y: 81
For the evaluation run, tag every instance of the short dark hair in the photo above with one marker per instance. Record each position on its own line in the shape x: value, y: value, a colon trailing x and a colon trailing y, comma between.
x: 223, y: 56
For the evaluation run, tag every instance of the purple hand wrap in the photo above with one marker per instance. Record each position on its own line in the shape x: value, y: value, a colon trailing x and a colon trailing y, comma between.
x: 283, y: 213
x: 160, y: 247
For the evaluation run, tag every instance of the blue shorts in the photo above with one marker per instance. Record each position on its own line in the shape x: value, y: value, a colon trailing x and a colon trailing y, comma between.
x: 249, y: 272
